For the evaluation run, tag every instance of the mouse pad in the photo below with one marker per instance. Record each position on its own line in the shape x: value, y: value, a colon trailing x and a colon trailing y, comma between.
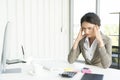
x: 87, y: 76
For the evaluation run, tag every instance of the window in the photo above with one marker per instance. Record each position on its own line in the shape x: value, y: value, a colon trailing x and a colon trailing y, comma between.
x: 110, y: 19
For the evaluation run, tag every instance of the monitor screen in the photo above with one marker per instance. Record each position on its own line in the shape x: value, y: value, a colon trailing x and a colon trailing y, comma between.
x: 3, y: 56
x: 5, y: 53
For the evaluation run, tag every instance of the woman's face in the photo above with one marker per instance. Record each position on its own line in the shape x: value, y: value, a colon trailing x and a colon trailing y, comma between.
x: 88, y: 29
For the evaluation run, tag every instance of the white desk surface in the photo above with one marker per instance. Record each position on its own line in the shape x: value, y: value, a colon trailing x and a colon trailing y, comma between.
x: 55, y: 68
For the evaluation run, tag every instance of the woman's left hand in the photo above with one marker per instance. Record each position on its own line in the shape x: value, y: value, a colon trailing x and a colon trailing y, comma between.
x: 98, y: 36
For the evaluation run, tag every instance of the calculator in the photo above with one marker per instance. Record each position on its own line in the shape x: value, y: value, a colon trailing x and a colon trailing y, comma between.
x: 68, y: 74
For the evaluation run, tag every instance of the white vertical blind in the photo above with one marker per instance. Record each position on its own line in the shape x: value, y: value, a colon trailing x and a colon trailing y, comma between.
x: 41, y: 26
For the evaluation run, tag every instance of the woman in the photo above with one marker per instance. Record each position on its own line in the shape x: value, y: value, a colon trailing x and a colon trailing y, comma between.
x: 95, y: 47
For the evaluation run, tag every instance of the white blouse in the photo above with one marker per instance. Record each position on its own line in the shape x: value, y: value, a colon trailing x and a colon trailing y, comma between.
x: 89, y: 50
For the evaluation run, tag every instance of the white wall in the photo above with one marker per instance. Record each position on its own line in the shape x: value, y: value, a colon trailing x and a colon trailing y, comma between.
x: 41, y: 26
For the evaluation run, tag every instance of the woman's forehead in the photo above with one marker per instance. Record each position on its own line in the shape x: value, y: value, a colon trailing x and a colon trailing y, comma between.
x: 87, y: 25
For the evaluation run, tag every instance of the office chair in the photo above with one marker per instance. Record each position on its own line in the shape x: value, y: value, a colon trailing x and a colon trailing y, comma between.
x: 116, y: 56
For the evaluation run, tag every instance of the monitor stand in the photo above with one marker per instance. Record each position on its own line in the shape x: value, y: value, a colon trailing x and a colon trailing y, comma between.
x: 13, y: 70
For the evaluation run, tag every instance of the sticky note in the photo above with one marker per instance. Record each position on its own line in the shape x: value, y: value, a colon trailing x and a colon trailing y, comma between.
x: 86, y: 71
x: 68, y: 69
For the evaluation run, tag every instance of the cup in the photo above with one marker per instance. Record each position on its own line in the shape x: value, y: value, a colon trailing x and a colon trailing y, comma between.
x: 37, y: 68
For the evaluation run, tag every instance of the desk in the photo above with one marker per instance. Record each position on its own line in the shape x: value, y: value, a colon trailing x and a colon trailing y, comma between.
x: 56, y: 67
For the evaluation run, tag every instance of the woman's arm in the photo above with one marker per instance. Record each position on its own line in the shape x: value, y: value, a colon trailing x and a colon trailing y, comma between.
x: 73, y: 55
x: 105, y: 50
x: 106, y: 54
x: 75, y: 51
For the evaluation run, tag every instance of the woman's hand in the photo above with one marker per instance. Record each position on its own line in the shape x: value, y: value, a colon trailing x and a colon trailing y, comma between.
x: 98, y: 36
x: 79, y: 37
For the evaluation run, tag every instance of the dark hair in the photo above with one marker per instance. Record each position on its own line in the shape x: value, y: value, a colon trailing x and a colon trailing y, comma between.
x: 91, y: 18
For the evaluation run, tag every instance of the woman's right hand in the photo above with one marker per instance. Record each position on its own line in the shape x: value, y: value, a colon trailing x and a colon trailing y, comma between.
x: 79, y: 37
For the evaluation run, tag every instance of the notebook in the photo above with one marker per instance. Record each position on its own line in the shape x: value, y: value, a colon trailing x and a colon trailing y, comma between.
x: 88, y: 76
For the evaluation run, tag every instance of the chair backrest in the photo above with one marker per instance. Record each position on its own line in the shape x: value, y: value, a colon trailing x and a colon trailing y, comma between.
x: 115, y: 56
x: 115, y: 48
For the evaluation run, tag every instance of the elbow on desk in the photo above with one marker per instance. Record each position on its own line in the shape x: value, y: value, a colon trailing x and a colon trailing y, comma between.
x: 70, y: 61
x: 107, y: 65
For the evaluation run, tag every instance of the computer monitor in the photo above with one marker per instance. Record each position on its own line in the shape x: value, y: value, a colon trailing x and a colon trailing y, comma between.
x: 5, y: 54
